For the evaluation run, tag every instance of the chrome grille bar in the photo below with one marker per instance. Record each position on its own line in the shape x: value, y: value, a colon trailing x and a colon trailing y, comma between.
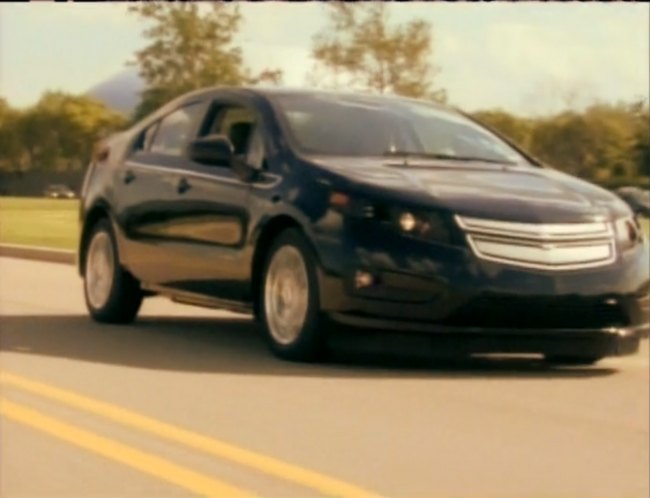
x: 555, y: 231
x: 555, y: 247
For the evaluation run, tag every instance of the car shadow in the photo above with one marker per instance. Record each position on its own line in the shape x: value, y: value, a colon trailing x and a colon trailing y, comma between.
x: 237, y: 346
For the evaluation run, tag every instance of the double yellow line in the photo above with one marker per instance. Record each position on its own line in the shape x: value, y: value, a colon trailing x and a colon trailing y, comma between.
x: 156, y: 466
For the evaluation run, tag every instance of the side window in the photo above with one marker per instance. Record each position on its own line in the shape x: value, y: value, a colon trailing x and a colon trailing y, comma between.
x: 147, y: 138
x: 241, y: 125
x: 174, y: 130
x: 143, y: 142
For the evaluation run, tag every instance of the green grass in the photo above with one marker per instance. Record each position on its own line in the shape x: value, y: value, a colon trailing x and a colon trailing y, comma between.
x: 53, y: 222
x: 39, y: 222
x: 645, y: 224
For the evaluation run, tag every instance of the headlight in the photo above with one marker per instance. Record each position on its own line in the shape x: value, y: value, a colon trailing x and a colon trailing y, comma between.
x: 628, y: 233
x: 421, y: 224
x: 407, y: 222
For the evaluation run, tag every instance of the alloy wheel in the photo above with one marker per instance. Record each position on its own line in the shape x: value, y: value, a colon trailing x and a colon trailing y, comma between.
x: 286, y: 295
x: 100, y: 268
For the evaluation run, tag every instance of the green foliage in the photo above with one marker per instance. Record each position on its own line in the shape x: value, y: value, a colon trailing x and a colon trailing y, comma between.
x: 58, y: 133
x: 191, y: 47
x: 603, y: 142
x: 10, y: 148
x: 517, y: 129
x: 641, y: 116
x: 361, y: 48
x: 608, y: 144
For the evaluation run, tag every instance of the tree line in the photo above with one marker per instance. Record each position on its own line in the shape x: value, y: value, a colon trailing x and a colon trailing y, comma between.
x: 192, y: 45
x: 606, y: 143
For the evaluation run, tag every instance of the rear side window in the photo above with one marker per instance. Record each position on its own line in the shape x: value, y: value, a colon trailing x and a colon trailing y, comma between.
x: 147, y: 138
x: 143, y: 142
x: 175, y: 130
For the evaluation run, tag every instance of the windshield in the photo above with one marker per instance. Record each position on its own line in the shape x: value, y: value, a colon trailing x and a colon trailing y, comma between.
x: 367, y: 126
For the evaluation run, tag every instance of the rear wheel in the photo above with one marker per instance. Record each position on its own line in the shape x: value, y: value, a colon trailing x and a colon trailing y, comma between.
x: 112, y: 294
x: 571, y: 360
x: 289, y: 300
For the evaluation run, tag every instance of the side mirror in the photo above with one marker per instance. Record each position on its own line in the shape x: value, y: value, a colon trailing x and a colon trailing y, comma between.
x: 217, y: 150
x: 213, y: 150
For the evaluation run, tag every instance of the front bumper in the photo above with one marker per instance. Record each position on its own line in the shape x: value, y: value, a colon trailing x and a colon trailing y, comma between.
x: 481, y: 306
x: 595, y: 343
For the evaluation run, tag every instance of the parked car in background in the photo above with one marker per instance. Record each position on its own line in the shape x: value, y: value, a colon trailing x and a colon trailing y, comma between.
x: 59, y: 192
x: 315, y: 210
x: 637, y: 198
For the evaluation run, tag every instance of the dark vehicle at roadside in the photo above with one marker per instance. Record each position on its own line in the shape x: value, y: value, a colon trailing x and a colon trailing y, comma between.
x: 637, y: 198
x: 315, y: 210
x: 59, y: 192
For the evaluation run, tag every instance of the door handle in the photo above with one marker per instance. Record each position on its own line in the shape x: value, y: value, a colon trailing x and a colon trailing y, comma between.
x: 128, y: 177
x: 183, y: 186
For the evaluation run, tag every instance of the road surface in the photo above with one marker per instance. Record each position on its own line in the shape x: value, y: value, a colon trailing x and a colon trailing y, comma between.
x: 188, y: 402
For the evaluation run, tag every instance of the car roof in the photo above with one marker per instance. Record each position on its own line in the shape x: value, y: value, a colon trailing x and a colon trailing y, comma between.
x: 271, y: 91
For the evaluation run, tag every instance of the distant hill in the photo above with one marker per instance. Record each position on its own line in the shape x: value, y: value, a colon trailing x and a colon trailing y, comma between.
x: 120, y: 92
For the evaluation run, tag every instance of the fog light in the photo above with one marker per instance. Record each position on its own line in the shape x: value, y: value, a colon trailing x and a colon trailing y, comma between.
x: 363, y: 279
x: 407, y: 222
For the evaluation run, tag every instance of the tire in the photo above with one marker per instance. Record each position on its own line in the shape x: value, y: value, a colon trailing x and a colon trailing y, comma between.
x: 572, y: 360
x: 290, y: 312
x: 112, y: 294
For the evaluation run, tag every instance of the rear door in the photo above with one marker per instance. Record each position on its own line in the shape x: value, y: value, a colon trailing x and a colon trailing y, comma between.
x: 147, y: 192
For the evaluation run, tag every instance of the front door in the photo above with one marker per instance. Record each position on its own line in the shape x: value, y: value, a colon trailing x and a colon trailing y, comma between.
x: 207, y: 229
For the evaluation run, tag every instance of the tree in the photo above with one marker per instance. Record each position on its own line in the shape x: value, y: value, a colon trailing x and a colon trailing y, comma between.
x: 59, y: 132
x: 191, y: 46
x: 606, y: 143
x: 515, y: 128
x: 10, y: 146
x: 361, y: 48
x: 597, y: 144
x: 641, y: 116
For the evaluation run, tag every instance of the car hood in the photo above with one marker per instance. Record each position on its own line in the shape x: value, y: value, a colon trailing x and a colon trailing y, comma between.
x: 484, y: 190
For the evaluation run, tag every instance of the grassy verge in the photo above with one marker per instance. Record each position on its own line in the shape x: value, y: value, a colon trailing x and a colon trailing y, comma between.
x: 645, y: 224
x: 39, y: 222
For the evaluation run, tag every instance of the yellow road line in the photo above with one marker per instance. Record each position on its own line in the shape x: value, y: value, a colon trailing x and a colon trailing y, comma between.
x: 144, y: 462
x: 262, y: 463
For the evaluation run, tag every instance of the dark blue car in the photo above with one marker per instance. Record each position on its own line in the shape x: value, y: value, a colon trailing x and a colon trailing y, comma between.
x: 315, y: 210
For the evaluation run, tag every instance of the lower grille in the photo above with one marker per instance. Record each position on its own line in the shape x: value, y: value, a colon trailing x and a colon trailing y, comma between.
x: 565, y: 246
x: 539, y: 313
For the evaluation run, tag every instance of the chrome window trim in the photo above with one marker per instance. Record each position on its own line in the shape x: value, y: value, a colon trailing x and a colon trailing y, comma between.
x: 189, y: 173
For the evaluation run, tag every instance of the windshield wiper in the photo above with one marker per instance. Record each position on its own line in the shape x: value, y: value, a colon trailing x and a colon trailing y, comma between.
x: 430, y: 155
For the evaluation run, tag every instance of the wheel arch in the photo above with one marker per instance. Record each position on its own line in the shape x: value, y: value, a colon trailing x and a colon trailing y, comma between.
x: 271, y: 229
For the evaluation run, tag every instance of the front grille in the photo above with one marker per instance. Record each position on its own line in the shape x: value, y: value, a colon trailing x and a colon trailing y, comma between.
x: 539, y: 313
x: 560, y: 246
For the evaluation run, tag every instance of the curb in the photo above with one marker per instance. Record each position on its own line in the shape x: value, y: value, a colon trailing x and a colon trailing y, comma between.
x: 38, y: 253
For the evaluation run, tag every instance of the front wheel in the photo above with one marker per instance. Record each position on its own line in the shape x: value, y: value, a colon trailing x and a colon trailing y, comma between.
x: 112, y: 294
x: 290, y: 304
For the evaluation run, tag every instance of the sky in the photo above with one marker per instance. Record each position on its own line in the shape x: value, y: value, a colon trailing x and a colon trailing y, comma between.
x: 523, y: 57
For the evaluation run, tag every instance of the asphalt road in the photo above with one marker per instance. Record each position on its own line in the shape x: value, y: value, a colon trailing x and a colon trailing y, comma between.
x: 187, y: 402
